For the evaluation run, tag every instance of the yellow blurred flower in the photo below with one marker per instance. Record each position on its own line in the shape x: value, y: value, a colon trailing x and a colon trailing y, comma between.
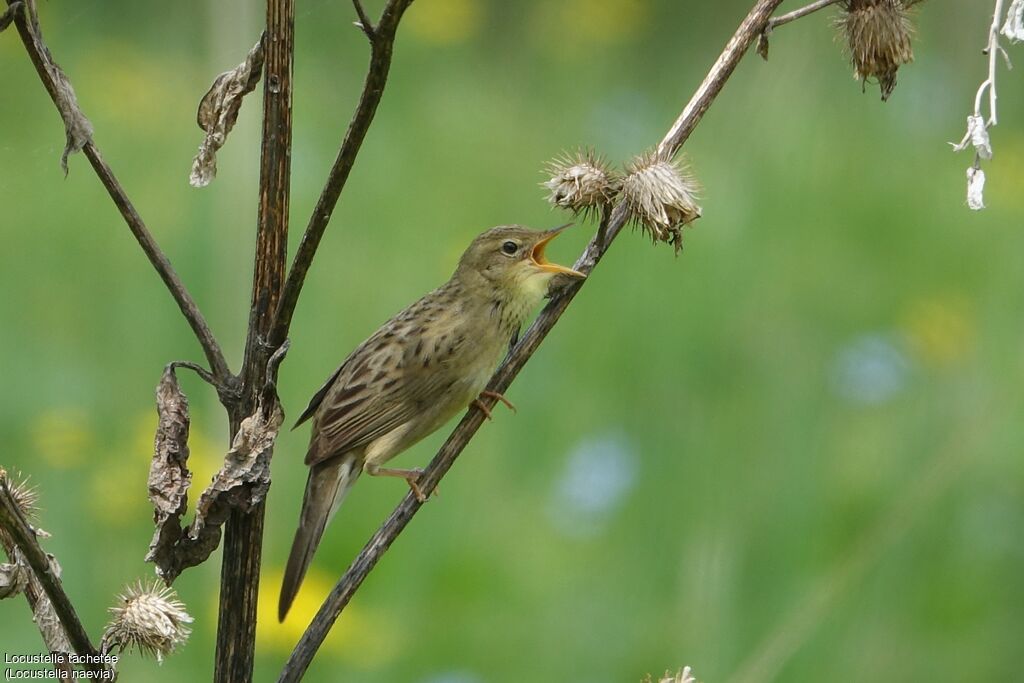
x: 939, y: 330
x: 1007, y: 171
x: 62, y: 436
x: 589, y: 22
x: 364, y: 639
x: 444, y: 22
x: 118, y: 487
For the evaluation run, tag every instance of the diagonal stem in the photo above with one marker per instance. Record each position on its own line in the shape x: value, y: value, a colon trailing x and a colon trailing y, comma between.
x: 612, y: 225
x: 23, y: 536
x: 212, y: 350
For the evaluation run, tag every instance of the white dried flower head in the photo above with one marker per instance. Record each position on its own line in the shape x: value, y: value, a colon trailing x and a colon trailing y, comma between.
x: 149, y: 618
x: 25, y: 496
x: 683, y: 676
x: 1014, y: 26
x: 877, y: 34
x: 977, y: 136
x: 661, y: 196
x: 580, y: 182
x: 975, y: 189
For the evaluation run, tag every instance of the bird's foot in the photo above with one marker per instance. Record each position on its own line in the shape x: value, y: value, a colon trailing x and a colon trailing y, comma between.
x: 411, y: 476
x: 494, y: 395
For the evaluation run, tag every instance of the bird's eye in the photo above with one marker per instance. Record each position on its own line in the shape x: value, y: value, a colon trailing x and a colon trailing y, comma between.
x: 509, y: 247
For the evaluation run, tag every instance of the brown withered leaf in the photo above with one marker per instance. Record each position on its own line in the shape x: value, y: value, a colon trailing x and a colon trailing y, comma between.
x: 169, y: 477
x: 762, y: 44
x: 245, y: 477
x: 218, y: 111
x: 77, y: 127
x: 13, y: 579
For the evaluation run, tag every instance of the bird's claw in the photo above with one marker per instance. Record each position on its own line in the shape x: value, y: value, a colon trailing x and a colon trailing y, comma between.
x: 493, y: 395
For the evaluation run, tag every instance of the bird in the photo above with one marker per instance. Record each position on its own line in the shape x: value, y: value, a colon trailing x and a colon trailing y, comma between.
x: 418, y: 370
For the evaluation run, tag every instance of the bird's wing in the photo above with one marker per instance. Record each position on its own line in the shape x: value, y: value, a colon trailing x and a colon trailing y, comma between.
x: 383, y: 384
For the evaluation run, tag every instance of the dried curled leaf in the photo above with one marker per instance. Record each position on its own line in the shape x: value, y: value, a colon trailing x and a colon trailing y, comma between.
x: 169, y: 477
x: 218, y: 111
x: 242, y: 482
x: 13, y: 579
x: 76, y: 126
x: 245, y: 477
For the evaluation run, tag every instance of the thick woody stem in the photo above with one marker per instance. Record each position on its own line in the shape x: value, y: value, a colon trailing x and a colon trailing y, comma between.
x: 612, y: 223
x: 243, y: 534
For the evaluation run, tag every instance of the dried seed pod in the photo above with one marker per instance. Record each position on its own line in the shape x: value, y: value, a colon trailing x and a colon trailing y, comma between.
x: 975, y: 188
x: 661, y: 197
x: 685, y: 675
x: 1014, y: 26
x: 581, y: 182
x: 149, y: 618
x: 26, y: 497
x: 877, y: 34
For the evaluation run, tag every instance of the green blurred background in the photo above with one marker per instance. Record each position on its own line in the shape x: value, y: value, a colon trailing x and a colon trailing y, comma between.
x: 792, y: 453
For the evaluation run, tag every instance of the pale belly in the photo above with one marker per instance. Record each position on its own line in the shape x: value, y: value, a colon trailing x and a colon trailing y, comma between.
x: 463, y: 391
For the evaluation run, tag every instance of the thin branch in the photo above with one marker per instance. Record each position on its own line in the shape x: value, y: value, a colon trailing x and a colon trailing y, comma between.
x: 203, y: 373
x: 784, y: 19
x: 364, y: 22
x: 992, y: 49
x: 17, y: 529
x: 32, y: 38
x: 612, y: 225
x: 8, y: 16
x: 373, y: 89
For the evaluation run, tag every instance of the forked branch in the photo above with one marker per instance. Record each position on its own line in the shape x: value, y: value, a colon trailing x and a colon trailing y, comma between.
x: 612, y: 223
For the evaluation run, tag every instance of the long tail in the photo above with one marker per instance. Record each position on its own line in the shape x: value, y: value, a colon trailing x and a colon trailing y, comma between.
x: 325, y: 489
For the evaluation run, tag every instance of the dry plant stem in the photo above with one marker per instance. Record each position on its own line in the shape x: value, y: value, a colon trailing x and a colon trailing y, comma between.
x: 992, y: 50
x: 364, y: 21
x: 243, y: 531
x: 21, y: 533
x: 212, y: 350
x: 612, y: 223
x: 784, y: 19
x: 382, y: 39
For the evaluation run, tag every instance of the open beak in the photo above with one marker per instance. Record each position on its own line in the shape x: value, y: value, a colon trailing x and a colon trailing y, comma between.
x: 537, y: 255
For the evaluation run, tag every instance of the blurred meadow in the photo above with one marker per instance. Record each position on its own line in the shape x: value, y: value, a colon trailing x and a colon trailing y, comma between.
x: 793, y: 453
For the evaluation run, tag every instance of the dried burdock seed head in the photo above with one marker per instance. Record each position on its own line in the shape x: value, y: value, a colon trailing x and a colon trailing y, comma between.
x: 26, y: 497
x: 683, y: 676
x: 877, y: 33
x: 581, y: 182
x: 147, y: 618
x: 661, y: 197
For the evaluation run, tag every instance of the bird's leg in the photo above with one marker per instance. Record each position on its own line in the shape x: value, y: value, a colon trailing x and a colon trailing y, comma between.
x: 411, y: 477
x: 496, y: 396
x: 499, y: 397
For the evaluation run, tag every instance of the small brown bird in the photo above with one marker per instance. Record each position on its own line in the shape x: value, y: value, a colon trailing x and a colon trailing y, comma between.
x: 414, y: 374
